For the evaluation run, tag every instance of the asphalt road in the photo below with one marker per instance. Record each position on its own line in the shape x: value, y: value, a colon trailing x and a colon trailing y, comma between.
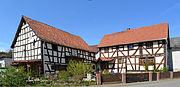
x: 161, y: 83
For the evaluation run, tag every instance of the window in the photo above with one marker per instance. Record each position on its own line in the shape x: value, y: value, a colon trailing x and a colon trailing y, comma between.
x: 149, y: 60
x: 149, y: 45
x: 63, y: 60
x: 106, y: 50
x: 111, y: 65
x: 142, y: 61
x: 130, y: 46
x: 89, y: 54
x: 54, y: 47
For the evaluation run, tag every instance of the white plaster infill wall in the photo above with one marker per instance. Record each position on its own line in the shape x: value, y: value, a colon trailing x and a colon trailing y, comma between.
x: 176, y: 60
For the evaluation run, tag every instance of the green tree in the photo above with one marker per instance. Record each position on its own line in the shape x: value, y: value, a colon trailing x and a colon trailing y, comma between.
x: 78, y: 69
x: 9, y: 54
x: 6, y: 54
x: 14, y: 77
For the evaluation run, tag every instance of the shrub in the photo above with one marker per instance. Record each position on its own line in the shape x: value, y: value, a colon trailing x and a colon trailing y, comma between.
x: 63, y: 76
x: 85, y: 83
x: 78, y: 69
x: 165, y: 69
x: 33, y: 73
x: 3, y: 67
x: 105, y: 71
x: 14, y: 77
x: 37, y: 83
x: 93, y: 82
x: 160, y: 70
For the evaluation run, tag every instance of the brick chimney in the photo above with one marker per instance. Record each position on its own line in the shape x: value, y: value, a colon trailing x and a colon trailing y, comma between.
x: 128, y: 29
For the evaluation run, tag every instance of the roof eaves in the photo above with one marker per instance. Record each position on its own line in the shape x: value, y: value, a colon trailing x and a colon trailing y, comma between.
x: 132, y: 43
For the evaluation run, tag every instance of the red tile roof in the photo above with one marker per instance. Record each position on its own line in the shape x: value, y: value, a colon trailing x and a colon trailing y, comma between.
x: 149, y: 33
x: 95, y: 48
x: 103, y: 59
x: 54, y: 35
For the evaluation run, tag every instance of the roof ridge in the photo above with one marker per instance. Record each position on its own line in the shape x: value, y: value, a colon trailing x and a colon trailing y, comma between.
x: 48, y: 25
x: 136, y: 29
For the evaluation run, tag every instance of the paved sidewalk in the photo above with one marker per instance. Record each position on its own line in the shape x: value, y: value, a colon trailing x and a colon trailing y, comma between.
x: 161, y: 83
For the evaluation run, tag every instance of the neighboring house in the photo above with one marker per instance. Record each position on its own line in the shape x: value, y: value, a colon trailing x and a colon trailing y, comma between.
x: 130, y: 50
x: 45, y: 49
x: 175, y: 53
x: 5, y: 62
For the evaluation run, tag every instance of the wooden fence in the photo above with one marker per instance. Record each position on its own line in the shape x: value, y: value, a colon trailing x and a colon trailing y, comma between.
x: 164, y: 75
x: 176, y: 74
x: 137, y: 77
x: 112, y: 78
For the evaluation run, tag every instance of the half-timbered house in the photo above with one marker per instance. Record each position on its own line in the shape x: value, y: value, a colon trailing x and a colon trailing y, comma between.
x: 130, y: 50
x: 45, y: 49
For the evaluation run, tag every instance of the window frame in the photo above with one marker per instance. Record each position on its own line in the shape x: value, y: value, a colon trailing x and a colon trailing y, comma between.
x: 143, y: 60
x: 130, y: 47
x: 111, y: 63
x: 149, y: 45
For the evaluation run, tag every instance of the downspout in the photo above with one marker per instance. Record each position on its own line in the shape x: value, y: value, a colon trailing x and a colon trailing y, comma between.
x: 166, y: 53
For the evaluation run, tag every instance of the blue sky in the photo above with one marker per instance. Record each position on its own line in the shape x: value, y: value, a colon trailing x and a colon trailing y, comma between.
x: 89, y: 19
